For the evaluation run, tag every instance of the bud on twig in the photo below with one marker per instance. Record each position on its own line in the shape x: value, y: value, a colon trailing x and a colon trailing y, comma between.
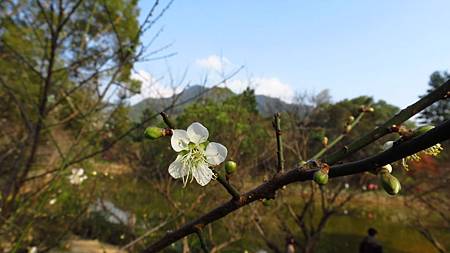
x: 389, y: 183
x: 325, y: 141
x: 321, y: 176
x: 366, y: 109
x: 154, y: 133
x: 387, y: 168
x: 230, y: 167
x: 348, y: 128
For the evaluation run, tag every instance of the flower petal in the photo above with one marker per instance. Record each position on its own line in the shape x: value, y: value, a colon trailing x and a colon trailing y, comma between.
x: 177, y: 169
x: 197, y: 133
x: 215, y: 153
x: 179, y: 140
x: 202, y: 174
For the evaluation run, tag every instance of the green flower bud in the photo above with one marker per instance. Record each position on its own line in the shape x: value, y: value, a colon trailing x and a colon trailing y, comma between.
x: 230, y: 167
x: 321, y: 177
x: 421, y: 130
x: 154, y: 132
x: 390, y: 183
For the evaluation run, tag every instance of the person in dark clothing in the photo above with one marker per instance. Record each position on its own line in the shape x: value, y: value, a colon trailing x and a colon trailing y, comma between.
x: 369, y: 244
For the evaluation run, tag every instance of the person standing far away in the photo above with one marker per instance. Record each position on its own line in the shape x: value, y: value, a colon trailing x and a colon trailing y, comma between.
x: 370, y: 244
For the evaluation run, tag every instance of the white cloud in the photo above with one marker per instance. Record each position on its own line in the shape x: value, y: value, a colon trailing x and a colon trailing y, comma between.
x: 214, y: 62
x: 151, y: 87
x: 272, y: 87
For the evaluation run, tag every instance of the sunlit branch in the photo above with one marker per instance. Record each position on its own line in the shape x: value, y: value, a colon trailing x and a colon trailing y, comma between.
x: 436, y: 135
x: 439, y: 93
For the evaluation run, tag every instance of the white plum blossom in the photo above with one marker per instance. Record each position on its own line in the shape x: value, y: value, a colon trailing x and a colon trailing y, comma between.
x: 52, y: 201
x: 77, y: 176
x: 33, y: 250
x: 195, y: 154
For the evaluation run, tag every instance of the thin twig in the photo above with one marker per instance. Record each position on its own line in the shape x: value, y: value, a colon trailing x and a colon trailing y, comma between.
x: 167, y: 120
x: 277, y: 126
x: 151, y: 231
x: 203, y: 245
x: 230, y: 189
x: 339, y: 138
x: 436, y: 135
x: 436, y: 95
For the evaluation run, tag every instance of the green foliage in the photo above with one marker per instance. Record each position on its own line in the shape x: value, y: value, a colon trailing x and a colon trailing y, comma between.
x: 439, y: 111
x: 234, y: 123
x: 332, y: 118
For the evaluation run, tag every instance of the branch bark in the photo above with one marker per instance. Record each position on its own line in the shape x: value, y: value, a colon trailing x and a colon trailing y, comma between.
x: 436, y: 95
x: 436, y: 135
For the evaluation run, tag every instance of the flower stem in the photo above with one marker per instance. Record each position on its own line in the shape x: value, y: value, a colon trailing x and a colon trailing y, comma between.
x: 230, y: 189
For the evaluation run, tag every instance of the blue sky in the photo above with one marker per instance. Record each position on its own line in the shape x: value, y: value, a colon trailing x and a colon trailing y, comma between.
x: 385, y: 49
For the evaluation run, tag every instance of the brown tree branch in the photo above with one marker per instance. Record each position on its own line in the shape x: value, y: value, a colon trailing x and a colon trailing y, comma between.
x: 436, y: 95
x: 436, y: 135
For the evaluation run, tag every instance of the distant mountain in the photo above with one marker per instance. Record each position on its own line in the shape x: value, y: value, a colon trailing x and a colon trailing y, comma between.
x: 266, y: 105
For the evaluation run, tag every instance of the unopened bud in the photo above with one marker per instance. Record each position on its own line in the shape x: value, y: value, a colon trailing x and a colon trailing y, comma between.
x: 154, y: 132
x: 230, y: 167
x: 325, y: 141
x: 351, y: 119
x: 321, y: 177
x: 386, y: 168
x: 366, y: 109
x: 348, y: 128
x: 390, y: 183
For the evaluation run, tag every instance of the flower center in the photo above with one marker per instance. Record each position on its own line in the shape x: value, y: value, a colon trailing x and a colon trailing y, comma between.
x: 192, y: 158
